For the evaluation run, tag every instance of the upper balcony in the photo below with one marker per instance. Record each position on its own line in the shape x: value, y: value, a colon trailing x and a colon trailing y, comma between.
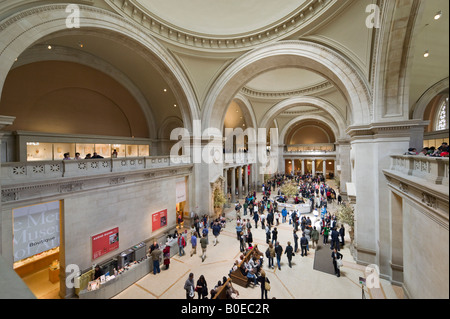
x: 310, y: 149
x: 434, y: 170
x: 36, y: 171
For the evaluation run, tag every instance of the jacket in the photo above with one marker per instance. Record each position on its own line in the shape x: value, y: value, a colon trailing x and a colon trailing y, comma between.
x: 289, y: 251
x: 278, y: 251
x: 303, y: 241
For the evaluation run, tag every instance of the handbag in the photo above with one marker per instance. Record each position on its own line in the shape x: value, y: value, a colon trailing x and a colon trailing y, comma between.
x: 267, y: 286
x: 339, y: 263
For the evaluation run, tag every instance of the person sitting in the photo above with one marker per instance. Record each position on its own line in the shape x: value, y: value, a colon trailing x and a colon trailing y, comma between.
x: 88, y: 156
x: 96, y: 155
x: 66, y: 157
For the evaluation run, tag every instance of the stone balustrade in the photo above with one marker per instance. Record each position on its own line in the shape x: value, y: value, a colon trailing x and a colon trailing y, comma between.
x: 20, y: 172
x: 431, y: 169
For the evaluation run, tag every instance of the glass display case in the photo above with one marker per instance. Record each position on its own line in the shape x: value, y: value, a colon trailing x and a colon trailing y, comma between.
x: 59, y: 149
x: 144, y: 150
x: 39, y: 151
x: 132, y: 151
x: 120, y: 148
x: 103, y: 150
x: 84, y: 149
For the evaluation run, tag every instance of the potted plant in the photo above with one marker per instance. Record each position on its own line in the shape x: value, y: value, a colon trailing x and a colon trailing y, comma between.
x: 219, y: 200
x: 346, y: 214
x: 289, y: 189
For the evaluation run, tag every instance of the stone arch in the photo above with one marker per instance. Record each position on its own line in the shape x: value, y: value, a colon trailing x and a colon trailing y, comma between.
x: 42, y: 21
x: 347, y: 78
x: 65, y: 54
x: 421, y: 105
x: 286, y: 129
x: 306, y: 100
x: 247, y: 110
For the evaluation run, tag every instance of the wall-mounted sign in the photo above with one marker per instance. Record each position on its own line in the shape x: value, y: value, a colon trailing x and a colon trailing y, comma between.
x: 159, y: 220
x: 36, y: 229
x: 105, y: 242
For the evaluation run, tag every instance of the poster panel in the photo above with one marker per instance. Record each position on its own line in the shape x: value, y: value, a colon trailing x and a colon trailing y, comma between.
x: 159, y: 220
x: 181, y: 191
x: 36, y: 229
x: 105, y: 242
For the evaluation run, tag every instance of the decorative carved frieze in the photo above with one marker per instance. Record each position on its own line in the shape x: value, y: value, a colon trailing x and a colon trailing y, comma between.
x: 70, y: 187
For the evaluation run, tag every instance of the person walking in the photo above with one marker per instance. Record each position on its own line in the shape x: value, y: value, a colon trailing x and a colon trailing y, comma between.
x: 307, y: 233
x: 256, y: 218
x: 202, y: 288
x: 181, y: 245
x: 241, y: 242
x: 335, y: 239
x: 189, y: 287
x: 267, y: 234
x: 204, y: 244
x: 278, y: 252
x: 166, y: 255
x: 304, y: 245
x: 335, y: 255
x: 289, y: 253
x: 238, y: 229
x: 274, y: 235
x: 326, y: 230
x: 314, y: 237
x: 156, y: 255
x: 249, y: 238
x: 216, y: 232
x: 194, y: 243
x: 265, y: 283
x: 295, y: 241
x: 342, y: 234
x: 270, y: 254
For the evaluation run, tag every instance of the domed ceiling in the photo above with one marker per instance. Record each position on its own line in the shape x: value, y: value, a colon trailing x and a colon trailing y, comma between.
x: 220, y: 18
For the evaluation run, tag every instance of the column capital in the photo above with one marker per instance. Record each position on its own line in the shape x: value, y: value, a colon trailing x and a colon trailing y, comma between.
x: 385, y: 129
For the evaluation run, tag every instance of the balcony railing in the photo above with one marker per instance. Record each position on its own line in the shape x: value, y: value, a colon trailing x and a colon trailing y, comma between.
x: 431, y: 169
x: 310, y: 148
x: 20, y: 172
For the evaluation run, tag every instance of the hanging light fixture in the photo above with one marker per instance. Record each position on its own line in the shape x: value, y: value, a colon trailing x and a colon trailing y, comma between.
x: 426, y: 54
x: 438, y: 15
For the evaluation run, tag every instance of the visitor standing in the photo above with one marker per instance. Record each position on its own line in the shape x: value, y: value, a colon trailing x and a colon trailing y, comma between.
x: 289, y: 253
x: 278, y: 252
x: 194, y: 243
x: 204, y: 245
x: 189, y: 287
x: 335, y: 255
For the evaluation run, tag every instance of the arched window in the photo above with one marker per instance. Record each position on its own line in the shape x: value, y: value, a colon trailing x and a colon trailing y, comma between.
x: 442, y: 116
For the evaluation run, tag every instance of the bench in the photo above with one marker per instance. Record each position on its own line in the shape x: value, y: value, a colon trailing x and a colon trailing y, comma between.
x: 222, y: 292
x: 237, y: 276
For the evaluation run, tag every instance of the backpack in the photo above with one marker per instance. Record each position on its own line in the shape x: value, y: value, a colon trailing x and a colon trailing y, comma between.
x: 267, y: 253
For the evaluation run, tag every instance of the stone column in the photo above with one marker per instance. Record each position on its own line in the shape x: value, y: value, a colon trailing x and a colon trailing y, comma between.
x: 240, y: 168
x: 371, y: 149
x: 313, y: 167
x: 324, y: 165
x: 233, y: 184
x: 293, y: 166
x: 396, y: 203
x: 245, y: 180
x: 225, y: 176
x: 303, y: 166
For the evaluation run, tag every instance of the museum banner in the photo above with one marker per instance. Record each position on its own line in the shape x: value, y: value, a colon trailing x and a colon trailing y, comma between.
x: 159, y: 220
x: 105, y: 242
x: 36, y: 229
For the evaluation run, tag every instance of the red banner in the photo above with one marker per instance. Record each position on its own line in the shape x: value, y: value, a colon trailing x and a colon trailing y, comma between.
x: 105, y: 242
x: 159, y: 220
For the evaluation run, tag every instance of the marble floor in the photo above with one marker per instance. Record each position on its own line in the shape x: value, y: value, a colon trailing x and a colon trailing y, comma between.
x: 299, y: 282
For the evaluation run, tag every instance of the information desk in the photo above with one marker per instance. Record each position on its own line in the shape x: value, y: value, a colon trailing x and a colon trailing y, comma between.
x: 300, y: 208
x: 116, y: 285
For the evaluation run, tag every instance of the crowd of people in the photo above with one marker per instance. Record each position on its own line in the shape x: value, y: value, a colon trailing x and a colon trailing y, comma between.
x: 441, y: 151
x: 264, y: 212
